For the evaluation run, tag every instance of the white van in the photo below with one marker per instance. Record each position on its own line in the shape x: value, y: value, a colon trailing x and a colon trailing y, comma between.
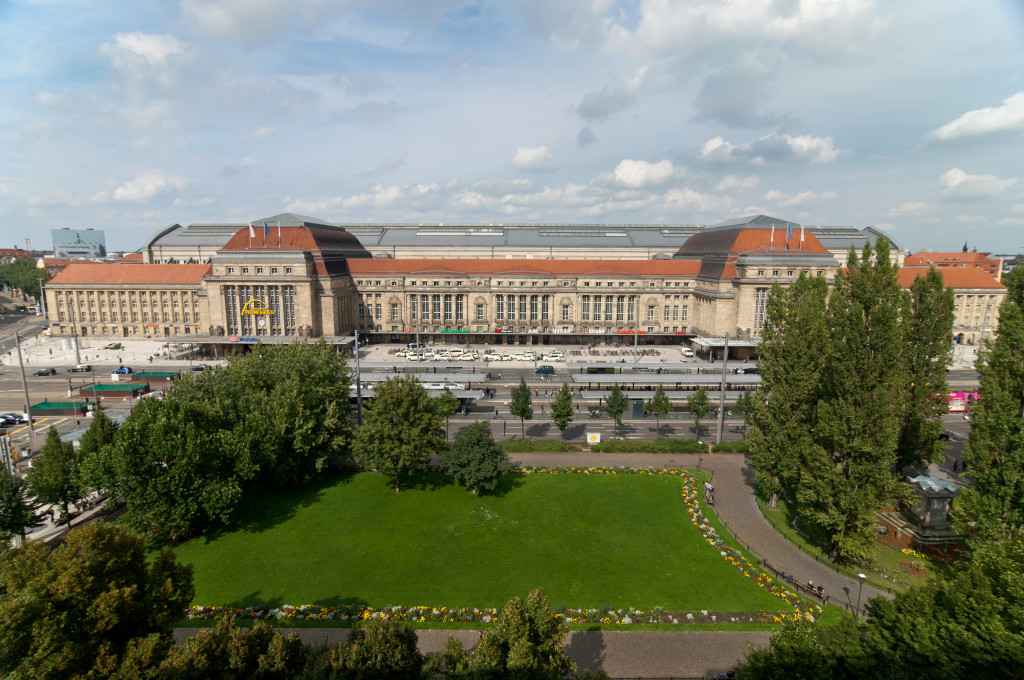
x: 687, y: 352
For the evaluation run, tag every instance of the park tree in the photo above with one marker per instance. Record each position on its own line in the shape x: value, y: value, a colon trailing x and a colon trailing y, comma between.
x: 18, y: 508
x: 615, y: 404
x: 385, y: 649
x: 700, y: 407
x: 522, y: 404
x: 561, y: 409
x: 526, y: 642
x: 447, y: 404
x: 228, y: 651
x: 95, y: 606
x: 24, y: 274
x: 847, y: 474
x: 967, y: 625
x: 271, y: 418
x: 55, y: 474
x: 474, y: 459
x: 927, y: 330
x: 993, y: 508
x: 781, y: 410
x: 402, y: 428
x: 659, y: 406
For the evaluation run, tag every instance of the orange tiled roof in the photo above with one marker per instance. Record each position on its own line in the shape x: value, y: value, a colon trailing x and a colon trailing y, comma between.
x: 292, y: 238
x: 956, y: 277
x: 950, y: 259
x: 521, y: 267
x: 129, y: 258
x: 115, y: 274
x: 746, y: 241
x: 13, y: 252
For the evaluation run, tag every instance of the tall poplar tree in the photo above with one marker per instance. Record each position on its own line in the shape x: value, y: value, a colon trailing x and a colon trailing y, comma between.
x: 927, y: 332
x: 700, y: 407
x: 781, y: 411
x: 993, y: 510
x: 847, y: 475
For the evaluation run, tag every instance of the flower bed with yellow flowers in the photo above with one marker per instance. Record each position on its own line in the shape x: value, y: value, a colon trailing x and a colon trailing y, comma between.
x: 605, y: 616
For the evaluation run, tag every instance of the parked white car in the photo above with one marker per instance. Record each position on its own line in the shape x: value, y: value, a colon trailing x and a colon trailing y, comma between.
x: 491, y: 356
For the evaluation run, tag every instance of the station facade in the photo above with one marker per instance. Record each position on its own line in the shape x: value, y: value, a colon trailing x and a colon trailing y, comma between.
x: 289, y: 277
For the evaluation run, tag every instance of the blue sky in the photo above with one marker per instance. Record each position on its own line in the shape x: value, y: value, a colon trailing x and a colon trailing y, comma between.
x: 131, y: 115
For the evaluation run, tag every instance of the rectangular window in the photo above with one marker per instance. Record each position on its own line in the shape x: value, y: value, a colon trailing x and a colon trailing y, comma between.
x: 447, y: 307
x: 619, y: 304
x: 394, y: 312
x: 499, y: 307
x: 683, y: 317
x: 667, y: 312
x: 544, y: 313
x: 533, y: 308
x: 675, y: 312
x: 413, y: 311
x: 650, y: 313
x: 565, y: 312
x: 479, y: 312
x: 585, y: 315
x: 522, y: 306
x: 379, y: 314
x: 760, y: 299
x: 609, y: 301
x: 436, y: 304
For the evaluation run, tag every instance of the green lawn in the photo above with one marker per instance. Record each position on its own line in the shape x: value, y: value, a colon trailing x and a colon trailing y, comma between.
x: 589, y: 541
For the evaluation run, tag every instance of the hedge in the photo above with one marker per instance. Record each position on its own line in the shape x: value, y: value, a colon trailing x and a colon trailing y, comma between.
x: 535, y: 446
x: 663, y: 446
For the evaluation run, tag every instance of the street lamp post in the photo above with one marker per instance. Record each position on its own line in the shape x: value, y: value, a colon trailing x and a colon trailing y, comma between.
x: 721, y: 399
x: 24, y: 386
x: 859, y: 589
x: 42, y: 297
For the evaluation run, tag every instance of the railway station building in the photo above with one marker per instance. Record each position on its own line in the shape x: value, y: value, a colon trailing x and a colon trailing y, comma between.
x: 289, y: 276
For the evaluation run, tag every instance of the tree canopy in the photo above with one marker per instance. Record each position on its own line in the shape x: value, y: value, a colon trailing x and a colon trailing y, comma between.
x: 700, y: 407
x: 522, y: 404
x: 18, y: 508
x: 971, y: 625
x: 659, y: 406
x: 24, y: 274
x: 55, y: 475
x: 993, y: 509
x: 92, y: 607
x: 561, y: 409
x: 615, y: 404
x: 474, y: 459
x: 847, y: 395
x: 402, y: 427
x: 272, y: 417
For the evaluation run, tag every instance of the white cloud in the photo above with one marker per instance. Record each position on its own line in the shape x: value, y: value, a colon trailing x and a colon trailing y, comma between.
x: 532, y: 158
x: 146, y: 186
x: 252, y: 21
x: 909, y: 209
x: 145, y: 57
x: 987, y: 121
x: 599, y: 105
x: 261, y: 133
x: 636, y: 174
x: 737, y: 183
x: 1010, y: 222
x: 969, y: 219
x: 959, y: 185
x: 802, y: 198
x: 772, y: 149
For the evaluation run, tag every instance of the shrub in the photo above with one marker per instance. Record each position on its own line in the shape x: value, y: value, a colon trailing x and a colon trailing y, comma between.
x: 535, y: 446
x: 733, y: 447
x: 657, y: 446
